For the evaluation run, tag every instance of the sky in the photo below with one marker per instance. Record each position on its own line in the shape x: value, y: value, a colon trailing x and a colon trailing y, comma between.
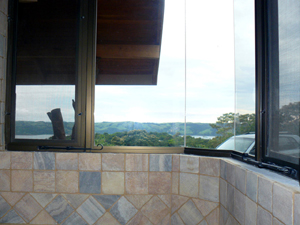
x: 219, y: 49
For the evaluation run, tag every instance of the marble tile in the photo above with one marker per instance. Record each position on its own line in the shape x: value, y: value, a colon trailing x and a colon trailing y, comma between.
x: 231, y: 221
x: 265, y: 188
x: 177, y: 202
x: 263, y: 217
x: 166, y: 199
x: 189, y: 184
x: 21, y: 160
x: 175, y: 183
x: 113, y: 183
x: 277, y: 222
x: 239, y: 206
x: 21, y: 180
x: 283, y: 204
x: 176, y: 163
x: 66, y: 181
x: 230, y: 198
x: 251, y: 212
x: 139, y: 219
x: 160, y: 162
x: 4, y: 160
x: 166, y: 220
x: 155, y: 210
x: 224, y: 215
x: 203, y: 222
x: 213, y: 218
x: 159, y: 183
x: 136, y: 162
x: 12, y: 218
x: 230, y: 173
x: 123, y: 210
x: 12, y: 197
x: 297, y: 209
x: 28, y: 208
x: 44, y: 181
x: 223, y: 192
x: 74, y: 219
x: 189, y: 213
x: 176, y: 220
x: 59, y: 209
x: 4, y: 207
x: 240, y: 179
x: 136, y: 182
x: 44, y: 161
x: 107, y: 219
x: 107, y: 200
x: 205, y: 207
x: 75, y: 199
x: 91, y: 210
x: 90, y: 161
x: 4, y: 180
x: 138, y: 200
x: 252, y: 186
x: 189, y: 164
x: 113, y: 162
x: 43, y: 218
x: 43, y: 198
x: 209, y: 188
x: 209, y: 166
x: 66, y: 161
x: 90, y: 182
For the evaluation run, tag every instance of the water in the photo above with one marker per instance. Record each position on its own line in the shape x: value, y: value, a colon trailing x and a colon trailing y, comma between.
x: 40, y: 136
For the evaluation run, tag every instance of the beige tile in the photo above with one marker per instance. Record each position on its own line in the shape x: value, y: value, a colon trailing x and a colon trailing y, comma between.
x: 4, y: 160
x: 175, y: 183
x: 4, y: 180
x: 209, y: 166
x: 67, y: 161
x: 67, y: 181
x: 176, y: 163
x: 159, y: 183
x: 189, y: 184
x: 189, y: 164
x: 112, y: 182
x: 12, y: 197
x: 136, y: 182
x: 21, y: 180
x: 44, y: 181
x: 108, y: 219
x: 21, y: 160
x: 113, y: 162
x: 155, y: 210
x: 137, y: 162
x: 283, y: 204
x: 89, y: 161
x: 43, y: 218
x: 265, y: 187
x: 28, y: 208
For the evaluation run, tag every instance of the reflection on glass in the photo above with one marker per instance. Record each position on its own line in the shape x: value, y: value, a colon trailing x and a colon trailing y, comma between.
x: 46, y: 69
x: 284, y: 119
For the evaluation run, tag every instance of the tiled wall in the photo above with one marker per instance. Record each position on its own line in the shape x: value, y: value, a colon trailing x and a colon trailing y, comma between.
x: 3, y: 38
x: 95, y: 188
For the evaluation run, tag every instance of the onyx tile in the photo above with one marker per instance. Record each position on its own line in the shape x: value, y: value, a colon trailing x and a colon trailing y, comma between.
x: 108, y: 219
x: 4, y: 206
x: 44, y: 160
x: 90, y: 182
x: 27, y: 207
x: 176, y: 220
x: 205, y: 207
x: 189, y: 164
x: 123, y: 210
x: 209, y: 188
x: 74, y: 219
x: 12, y: 218
x: 189, y: 213
x: 138, y: 200
x: 43, y: 198
x: 107, y: 200
x: 59, y: 209
x: 155, y: 210
x: 75, y: 199
x: 91, y: 210
x: 43, y: 218
x: 161, y: 162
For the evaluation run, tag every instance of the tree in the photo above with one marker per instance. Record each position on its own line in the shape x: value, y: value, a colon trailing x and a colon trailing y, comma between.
x: 289, y: 119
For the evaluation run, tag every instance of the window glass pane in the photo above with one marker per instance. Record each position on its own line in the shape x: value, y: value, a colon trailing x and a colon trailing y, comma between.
x: 284, y: 86
x: 135, y: 105
x: 46, y: 69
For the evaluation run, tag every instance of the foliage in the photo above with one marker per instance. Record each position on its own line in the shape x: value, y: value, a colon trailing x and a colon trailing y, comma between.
x: 289, y: 119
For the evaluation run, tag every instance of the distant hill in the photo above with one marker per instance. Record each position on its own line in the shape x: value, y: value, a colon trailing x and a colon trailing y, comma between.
x: 201, y: 129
